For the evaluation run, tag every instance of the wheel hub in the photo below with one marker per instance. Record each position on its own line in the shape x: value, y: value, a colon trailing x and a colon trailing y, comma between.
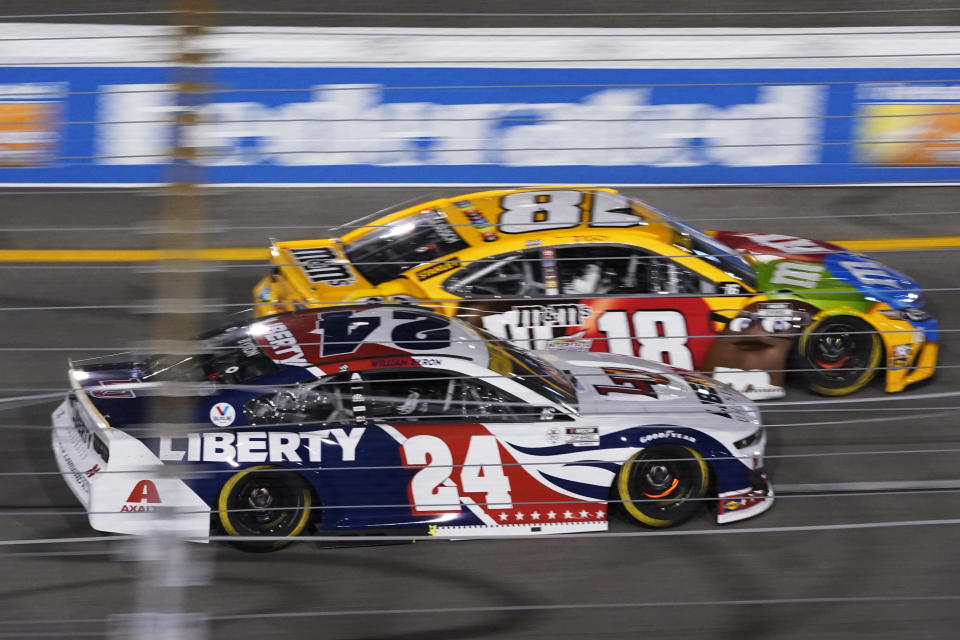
x: 659, y: 480
x: 834, y: 351
x: 260, y: 498
x: 658, y: 476
x: 834, y: 346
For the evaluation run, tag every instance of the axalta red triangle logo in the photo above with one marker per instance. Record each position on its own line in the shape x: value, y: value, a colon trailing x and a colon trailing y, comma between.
x: 142, y: 498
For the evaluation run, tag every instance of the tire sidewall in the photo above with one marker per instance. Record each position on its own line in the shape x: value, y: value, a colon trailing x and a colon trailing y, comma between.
x: 635, y: 506
x: 294, y: 483
x: 811, y: 376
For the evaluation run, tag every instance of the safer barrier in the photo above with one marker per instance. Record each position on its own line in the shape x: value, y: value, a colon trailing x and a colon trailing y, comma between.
x: 607, y: 113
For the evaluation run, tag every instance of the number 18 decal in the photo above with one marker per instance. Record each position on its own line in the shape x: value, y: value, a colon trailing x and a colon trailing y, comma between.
x: 662, y: 335
x: 433, y: 490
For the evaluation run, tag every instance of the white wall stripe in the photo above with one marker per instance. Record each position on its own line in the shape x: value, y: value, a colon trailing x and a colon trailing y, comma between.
x: 27, y: 43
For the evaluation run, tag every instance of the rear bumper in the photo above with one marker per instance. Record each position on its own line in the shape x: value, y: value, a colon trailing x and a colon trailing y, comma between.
x: 270, y: 297
x: 77, y: 463
x: 129, y: 494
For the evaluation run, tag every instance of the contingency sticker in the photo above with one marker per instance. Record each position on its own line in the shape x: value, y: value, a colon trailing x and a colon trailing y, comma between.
x: 576, y: 436
x: 223, y: 414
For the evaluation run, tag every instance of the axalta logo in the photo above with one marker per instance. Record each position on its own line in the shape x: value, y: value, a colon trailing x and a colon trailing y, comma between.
x: 350, y: 124
x: 144, y: 497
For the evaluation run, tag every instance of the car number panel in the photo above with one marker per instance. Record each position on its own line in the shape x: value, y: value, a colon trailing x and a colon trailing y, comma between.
x: 454, y: 476
x: 676, y: 332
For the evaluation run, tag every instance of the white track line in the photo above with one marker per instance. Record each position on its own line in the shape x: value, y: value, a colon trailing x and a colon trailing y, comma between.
x: 891, y: 485
x: 606, y: 534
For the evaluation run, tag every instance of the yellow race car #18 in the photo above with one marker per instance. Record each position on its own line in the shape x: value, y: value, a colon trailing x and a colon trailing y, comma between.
x: 570, y: 268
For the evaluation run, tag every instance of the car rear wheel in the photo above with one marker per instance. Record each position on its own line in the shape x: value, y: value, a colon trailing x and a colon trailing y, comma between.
x: 839, y: 355
x: 663, y: 486
x: 265, y: 502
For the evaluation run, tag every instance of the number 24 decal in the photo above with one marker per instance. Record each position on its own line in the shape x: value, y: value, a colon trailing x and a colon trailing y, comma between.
x: 342, y: 332
x: 433, y: 490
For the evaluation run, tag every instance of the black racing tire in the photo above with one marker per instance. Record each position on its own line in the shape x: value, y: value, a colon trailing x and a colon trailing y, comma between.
x: 273, y: 504
x: 663, y: 486
x: 844, y: 360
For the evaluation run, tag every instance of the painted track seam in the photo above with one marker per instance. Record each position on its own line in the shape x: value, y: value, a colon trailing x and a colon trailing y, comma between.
x: 239, y: 254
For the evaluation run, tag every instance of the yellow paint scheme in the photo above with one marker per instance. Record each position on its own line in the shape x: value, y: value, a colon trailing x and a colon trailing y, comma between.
x: 288, y: 289
x: 869, y: 371
x: 919, y: 365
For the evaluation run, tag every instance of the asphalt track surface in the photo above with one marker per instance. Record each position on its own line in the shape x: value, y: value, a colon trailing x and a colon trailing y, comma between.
x: 510, y: 589
x: 881, y: 583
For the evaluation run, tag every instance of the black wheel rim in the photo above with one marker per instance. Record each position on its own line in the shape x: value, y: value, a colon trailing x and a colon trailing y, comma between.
x: 266, y: 506
x: 660, y: 484
x: 841, y: 356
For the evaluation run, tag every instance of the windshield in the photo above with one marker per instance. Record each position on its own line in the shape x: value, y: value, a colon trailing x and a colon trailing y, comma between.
x: 172, y: 369
x: 233, y: 358
x: 530, y: 371
x: 712, y: 250
x: 385, y: 253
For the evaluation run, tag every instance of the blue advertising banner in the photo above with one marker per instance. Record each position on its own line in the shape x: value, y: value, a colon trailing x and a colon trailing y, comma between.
x: 443, y: 125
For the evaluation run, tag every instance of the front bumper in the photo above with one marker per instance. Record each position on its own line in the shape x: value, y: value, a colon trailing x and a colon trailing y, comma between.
x: 920, y: 364
x: 745, y: 503
x: 911, y: 350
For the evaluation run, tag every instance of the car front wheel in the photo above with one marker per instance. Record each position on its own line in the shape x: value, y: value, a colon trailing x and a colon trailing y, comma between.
x: 839, y: 355
x: 663, y: 486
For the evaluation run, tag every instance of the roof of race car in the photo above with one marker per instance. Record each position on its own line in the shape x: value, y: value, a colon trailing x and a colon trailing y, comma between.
x: 488, y: 221
x: 532, y: 210
x: 371, y: 336
x: 393, y: 336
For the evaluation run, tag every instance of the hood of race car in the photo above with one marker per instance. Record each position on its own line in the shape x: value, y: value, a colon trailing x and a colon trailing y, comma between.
x: 613, y: 384
x: 803, y: 265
